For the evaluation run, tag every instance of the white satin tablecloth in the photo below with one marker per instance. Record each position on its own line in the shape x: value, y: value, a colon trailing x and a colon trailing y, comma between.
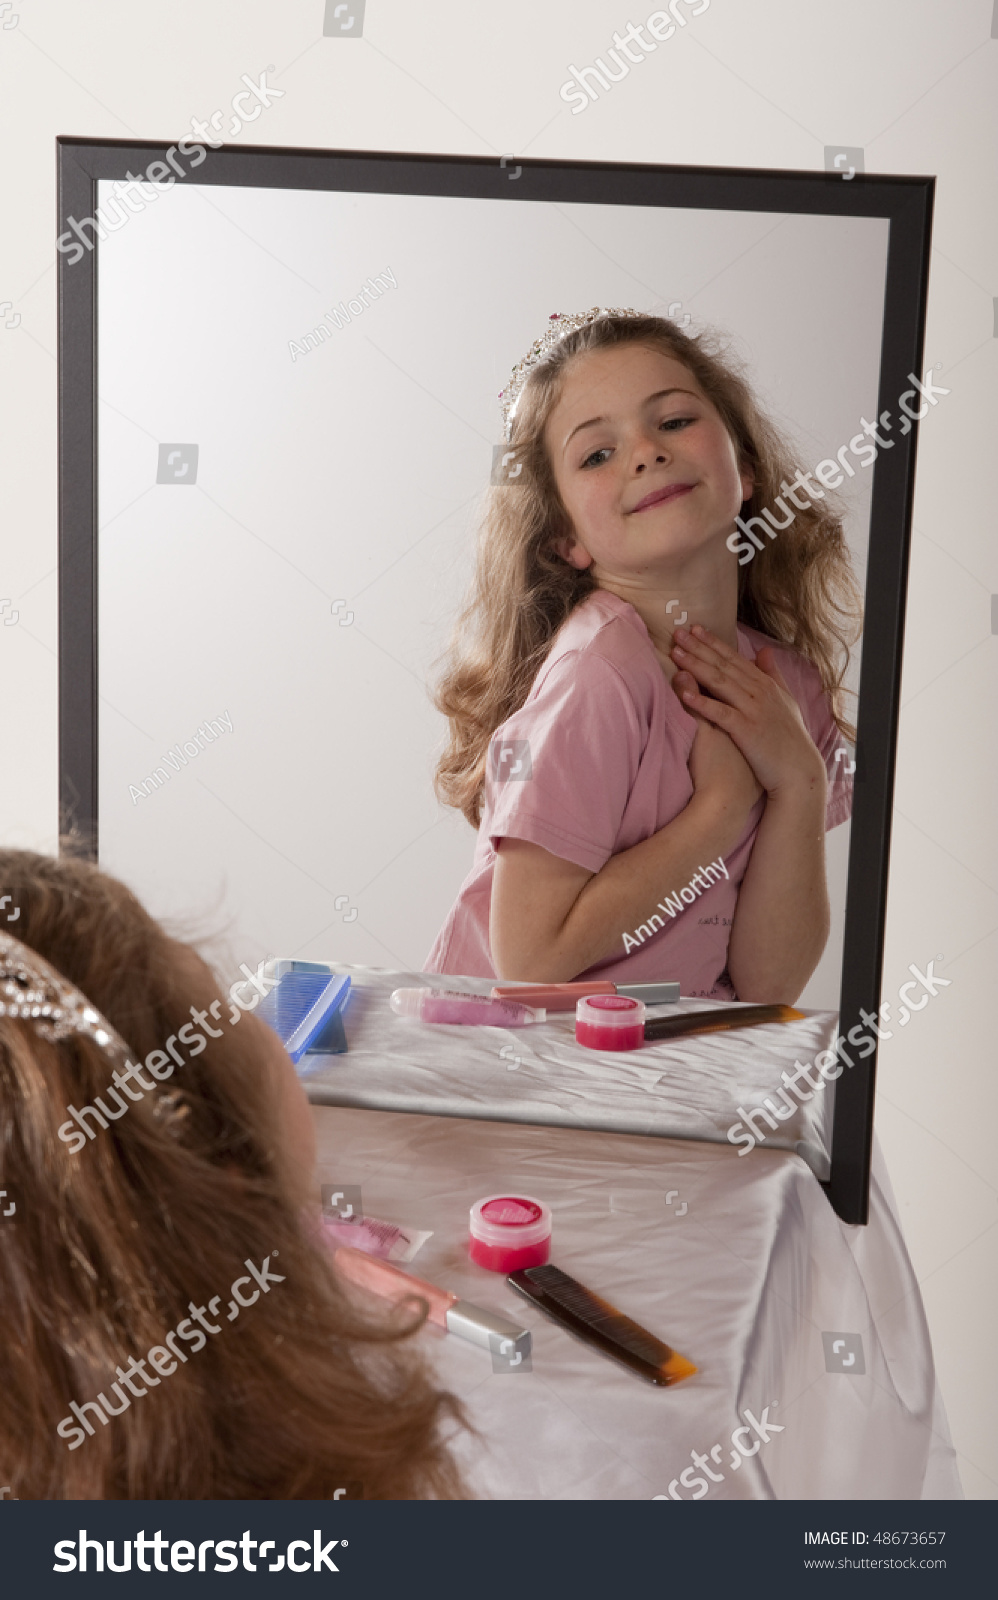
x: 689, y: 1089
x: 737, y: 1261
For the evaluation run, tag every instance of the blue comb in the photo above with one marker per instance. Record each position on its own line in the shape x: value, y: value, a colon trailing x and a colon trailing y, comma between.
x: 304, y: 1009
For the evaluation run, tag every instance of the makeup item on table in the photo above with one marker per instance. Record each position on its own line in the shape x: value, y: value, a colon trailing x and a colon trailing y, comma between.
x: 718, y: 1021
x: 615, y: 1022
x: 563, y: 996
x: 600, y: 1324
x: 449, y: 1311
x: 509, y: 1232
x: 330, y: 1040
x: 447, y: 1005
x: 610, y: 1022
x: 304, y: 1008
x: 386, y: 1240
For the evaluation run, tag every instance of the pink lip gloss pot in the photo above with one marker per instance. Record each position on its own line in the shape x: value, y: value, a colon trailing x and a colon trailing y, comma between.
x: 610, y: 1022
x: 509, y: 1232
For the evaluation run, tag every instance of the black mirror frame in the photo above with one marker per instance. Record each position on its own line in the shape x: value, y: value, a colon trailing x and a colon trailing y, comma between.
x: 906, y: 202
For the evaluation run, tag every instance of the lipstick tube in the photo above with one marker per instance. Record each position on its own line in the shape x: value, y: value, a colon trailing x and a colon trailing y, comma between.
x: 447, y: 1310
x: 563, y: 996
x: 445, y: 1005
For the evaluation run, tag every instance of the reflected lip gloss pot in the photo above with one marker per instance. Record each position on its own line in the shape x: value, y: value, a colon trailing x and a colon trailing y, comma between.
x: 610, y: 1022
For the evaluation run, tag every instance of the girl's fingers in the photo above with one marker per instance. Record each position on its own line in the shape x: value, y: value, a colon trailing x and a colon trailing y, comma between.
x: 684, y: 684
x: 766, y: 662
x: 711, y: 646
x: 711, y: 650
x: 715, y: 675
x: 688, y: 693
x: 752, y: 678
x: 715, y: 711
x: 705, y: 647
x: 704, y: 636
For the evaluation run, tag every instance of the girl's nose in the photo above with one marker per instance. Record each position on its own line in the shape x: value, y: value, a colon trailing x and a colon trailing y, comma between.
x: 645, y: 457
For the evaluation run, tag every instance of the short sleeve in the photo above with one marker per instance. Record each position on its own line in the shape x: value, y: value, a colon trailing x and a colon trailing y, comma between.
x: 561, y: 769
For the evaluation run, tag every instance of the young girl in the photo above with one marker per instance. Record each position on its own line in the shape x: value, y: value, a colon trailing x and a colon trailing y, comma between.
x: 644, y: 706
x: 189, y: 1199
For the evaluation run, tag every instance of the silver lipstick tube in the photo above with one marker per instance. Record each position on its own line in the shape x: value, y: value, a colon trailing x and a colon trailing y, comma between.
x: 488, y: 1328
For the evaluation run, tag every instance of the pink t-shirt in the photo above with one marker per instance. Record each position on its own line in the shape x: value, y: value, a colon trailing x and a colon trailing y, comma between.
x: 597, y: 759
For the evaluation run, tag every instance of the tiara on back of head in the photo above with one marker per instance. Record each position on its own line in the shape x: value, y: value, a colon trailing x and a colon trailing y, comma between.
x: 32, y: 991
x: 559, y: 324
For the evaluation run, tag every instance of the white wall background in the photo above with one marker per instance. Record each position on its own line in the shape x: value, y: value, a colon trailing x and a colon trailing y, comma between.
x: 911, y: 83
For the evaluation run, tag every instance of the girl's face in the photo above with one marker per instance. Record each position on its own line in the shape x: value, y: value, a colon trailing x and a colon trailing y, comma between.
x: 645, y: 467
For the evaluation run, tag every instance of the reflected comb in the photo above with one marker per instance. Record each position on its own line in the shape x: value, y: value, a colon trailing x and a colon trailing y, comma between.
x: 718, y: 1021
x: 304, y: 1009
x: 600, y: 1324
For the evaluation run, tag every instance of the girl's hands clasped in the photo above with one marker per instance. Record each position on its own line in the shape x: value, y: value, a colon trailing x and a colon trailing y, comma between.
x: 718, y: 767
x: 753, y: 706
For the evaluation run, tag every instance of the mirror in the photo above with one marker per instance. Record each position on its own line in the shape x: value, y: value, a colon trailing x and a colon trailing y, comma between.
x: 297, y: 374
x: 298, y: 413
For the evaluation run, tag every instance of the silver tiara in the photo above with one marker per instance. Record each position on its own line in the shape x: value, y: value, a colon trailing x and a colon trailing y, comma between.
x: 33, y: 991
x: 560, y: 323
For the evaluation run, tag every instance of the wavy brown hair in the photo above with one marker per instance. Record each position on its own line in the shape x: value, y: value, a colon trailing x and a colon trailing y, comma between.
x: 304, y: 1393
x: 799, y: 589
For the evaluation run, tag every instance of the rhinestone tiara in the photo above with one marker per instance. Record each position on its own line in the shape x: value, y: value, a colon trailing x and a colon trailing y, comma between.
x: 33, y: 991
x: 559, y: 324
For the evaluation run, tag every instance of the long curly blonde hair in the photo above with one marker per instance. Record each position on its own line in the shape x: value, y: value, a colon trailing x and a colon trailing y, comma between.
x: 799, y: 589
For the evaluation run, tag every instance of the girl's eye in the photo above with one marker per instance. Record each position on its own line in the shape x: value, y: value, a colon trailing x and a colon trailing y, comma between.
x: 671, y: 424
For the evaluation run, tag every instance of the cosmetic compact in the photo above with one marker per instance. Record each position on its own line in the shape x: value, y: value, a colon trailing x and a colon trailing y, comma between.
x: 510, y: 1232
x: 610, y: 1022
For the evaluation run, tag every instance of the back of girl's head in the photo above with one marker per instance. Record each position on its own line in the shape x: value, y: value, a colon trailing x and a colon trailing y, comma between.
x: 799, y: 589
x: 161, y: 1211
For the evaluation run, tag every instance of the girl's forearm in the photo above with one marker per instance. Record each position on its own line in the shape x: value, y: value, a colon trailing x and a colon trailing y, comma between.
x: 623, y: 894
x: 782, y: 918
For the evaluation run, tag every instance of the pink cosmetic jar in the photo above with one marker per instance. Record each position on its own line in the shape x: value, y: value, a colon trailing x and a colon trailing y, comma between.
x: 509, y: 1232
x: 610, y: 1022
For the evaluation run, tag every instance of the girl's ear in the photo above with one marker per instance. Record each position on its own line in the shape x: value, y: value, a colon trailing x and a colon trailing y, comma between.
x: 747, y: 483
x: 573, y: 552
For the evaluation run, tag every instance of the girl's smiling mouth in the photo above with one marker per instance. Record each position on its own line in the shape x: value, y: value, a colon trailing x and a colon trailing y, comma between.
x: 657, y: 496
